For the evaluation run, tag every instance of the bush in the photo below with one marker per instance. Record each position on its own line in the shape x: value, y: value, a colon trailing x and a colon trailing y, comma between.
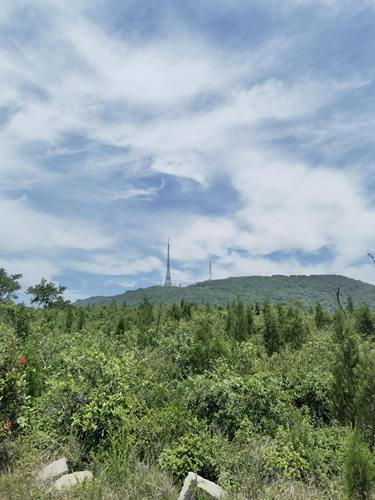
x: 13, y: 383
x: 224, y: 400
x: 89, y: 394
x: 193, y: 452
x: 285, y: 461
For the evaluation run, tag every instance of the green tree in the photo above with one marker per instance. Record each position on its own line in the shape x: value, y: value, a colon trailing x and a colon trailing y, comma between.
x: 145, y: 314
x: 365, y: 395
x: 347, y: 357
x: 175, y: 312
x: 207, y: 344
x: 46, y: 294
x: 81, y: 320
x: 239, y: 321
x: 250, y: 320
x: 271, y: 333
x: 185, y: 309
x: 120, y: 328
x: 364, y: 321
x: 295, y: 329
x: 359, y: 469
x: 350, y: 305
x: 8, y: 285
x: 320, y: 317
x: 145, y: 320
x: 69, y: 319
x: 19, y: 318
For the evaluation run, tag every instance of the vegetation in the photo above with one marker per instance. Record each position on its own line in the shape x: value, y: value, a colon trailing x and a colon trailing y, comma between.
x: 8, y: 285
x: 251, y: 290
x: 46, y: 293
x: 269, y: 400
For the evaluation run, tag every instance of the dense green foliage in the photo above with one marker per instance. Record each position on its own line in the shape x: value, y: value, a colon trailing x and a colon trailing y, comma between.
x: 8, y: 285
x: 359, y: 468
x: 250, y: 290
x: 46, y: 293
x: 260, y: 398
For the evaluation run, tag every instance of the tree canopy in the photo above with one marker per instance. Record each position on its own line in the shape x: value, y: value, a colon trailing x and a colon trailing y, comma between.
x: 9, y: 285
x: 46, y: 293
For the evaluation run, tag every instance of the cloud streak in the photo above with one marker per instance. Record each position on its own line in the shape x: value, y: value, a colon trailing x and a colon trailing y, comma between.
x: 223, y: 127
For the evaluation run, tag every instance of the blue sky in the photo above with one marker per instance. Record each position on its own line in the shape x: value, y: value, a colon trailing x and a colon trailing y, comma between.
x: 242, y: 130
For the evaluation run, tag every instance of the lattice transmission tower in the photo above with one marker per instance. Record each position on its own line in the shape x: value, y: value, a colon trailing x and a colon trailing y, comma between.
x: 168, y: 280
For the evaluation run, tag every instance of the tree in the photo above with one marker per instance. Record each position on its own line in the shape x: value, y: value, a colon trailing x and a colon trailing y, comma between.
x: 47, y: 294
x: 365, y: 396
x: 295, y: 329
x: 359, y: 468
x: 344, y: 370
x: 8, y: 285
x: 271, y: 333
x: 69, y: 319
x: 120, y: 328
x: 320, y: 316
x: 207, y: 343
x: 81, y: 320
x: 19, y: 317
x: 145, y: 315
x: 364, y: 321
x: 350, y: 305
x: 239, y: 322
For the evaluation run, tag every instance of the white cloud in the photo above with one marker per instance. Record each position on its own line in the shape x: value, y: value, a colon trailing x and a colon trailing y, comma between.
x: 285, y: 207
x: 290, y: 206
x: 112, y: 265
x: 33, y: 269
x: 196, y: 238
x: 23, y: 229
x: 79, y: 70
x: 147, y: 193
x: 124, y: 283
x: 179, y: 144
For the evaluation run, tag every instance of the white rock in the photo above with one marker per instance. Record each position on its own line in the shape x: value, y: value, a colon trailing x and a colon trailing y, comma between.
x: 212, y: 489
x: 70, y: 480
x: 53, y: 470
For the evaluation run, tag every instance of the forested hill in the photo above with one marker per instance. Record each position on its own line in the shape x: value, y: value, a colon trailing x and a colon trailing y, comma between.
x: 251, y: 289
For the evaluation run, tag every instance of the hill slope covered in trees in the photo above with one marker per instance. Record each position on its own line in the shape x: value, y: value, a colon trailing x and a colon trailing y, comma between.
x: 250, y: 289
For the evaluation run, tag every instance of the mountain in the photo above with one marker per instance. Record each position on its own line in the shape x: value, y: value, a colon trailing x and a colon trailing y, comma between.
x: 250, y: 289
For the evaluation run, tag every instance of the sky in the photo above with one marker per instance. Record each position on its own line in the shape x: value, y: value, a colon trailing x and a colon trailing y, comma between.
x: 243, y: 130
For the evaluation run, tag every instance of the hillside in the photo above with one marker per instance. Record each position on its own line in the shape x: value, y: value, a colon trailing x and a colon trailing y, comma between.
x: 251, y: 289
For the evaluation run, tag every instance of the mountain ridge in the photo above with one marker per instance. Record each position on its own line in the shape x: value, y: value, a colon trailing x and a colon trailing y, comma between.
x: 309, y: 289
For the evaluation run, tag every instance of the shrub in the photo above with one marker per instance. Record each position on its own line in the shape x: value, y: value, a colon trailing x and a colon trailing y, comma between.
x: 13, y: 384
x: 224, y: 400
x: 285, y: 461
x: 193, y: 452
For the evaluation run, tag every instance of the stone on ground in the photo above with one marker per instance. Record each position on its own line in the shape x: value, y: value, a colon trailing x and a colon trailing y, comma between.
x: 53, y: 470
x: 70, y: 480
x: 192, y: 479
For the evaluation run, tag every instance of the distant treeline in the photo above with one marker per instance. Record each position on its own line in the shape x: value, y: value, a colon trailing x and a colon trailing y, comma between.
x: 307, y: 289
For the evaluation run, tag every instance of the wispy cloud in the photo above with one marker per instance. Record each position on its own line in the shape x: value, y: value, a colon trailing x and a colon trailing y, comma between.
x: 238, y: 129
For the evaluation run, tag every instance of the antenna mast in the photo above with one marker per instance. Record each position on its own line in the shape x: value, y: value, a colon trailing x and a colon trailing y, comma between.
x: 168, y: 281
